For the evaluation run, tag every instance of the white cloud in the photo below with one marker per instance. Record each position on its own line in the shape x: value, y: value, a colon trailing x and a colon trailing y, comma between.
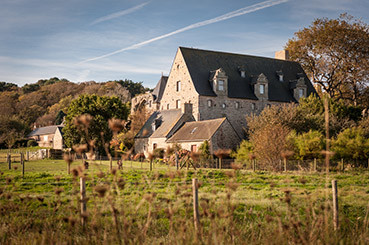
x: 242, y: 11
x: 119, y: 14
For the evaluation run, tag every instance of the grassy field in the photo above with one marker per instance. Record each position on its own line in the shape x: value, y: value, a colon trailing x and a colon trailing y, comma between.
x: 135, y: 205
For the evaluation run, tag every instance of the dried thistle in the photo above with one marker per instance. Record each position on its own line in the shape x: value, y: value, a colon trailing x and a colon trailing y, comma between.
x: 75, y: 172
x: 80, y: 148
x: 100, y: 175
x: 101, y: 190
x: 236, y: 166
x: 114, y: 171
x: 286, y: 154
x: 8, y: 180
x: 222, y: 153
x: 57, y: 178
x: 83, y: 120
x: 116, y: 125
x: 151, y: 156
x: 15, y: 167
x: 58, y: 191
x: 252, y: 156
x: 68, y: 158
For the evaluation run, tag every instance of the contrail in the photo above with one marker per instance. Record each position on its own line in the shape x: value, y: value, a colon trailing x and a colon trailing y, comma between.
x: 118, y: 14
x: 242, y: 11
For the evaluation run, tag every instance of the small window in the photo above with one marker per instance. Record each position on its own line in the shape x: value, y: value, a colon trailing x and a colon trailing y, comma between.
x: 253, y: 106
x: 243, y: 74
x: 220, y: 85
x: 178, y: 87
x: 301, y: 92
x: 178, y: 104
x: 224, y: 105
x: 154, y: 146
x: 210, y: 103
x: 150, y: 103
x: 280, y: 78
x: 194, y: 148
x: 167, y: 107
x: 262, y: 88
x: 237, y: 105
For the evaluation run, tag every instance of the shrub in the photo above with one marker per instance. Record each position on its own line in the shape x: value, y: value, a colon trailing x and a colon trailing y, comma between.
x: 351, y: 144
x: 31, y: 143
x: 158, y: 153
x: 308, y: 145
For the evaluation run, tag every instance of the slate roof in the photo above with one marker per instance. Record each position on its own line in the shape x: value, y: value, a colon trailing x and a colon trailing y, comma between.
x: 201, y: 62
x: 165, y: 120
x: 159, y: 88
x: 45, y: 130
x: 197, y: 131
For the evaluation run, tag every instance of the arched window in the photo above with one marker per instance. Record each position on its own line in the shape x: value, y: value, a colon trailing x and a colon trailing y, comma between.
x: 210, y: 103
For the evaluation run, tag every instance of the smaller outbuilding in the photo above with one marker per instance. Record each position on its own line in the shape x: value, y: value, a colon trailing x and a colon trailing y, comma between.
x: 218, y: 132
x: 50, y: 136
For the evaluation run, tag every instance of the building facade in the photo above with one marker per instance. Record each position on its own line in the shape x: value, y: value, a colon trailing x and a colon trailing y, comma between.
x: 225, y: 85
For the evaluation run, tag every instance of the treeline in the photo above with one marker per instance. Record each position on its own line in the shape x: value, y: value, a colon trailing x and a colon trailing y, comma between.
x: 45, y: 102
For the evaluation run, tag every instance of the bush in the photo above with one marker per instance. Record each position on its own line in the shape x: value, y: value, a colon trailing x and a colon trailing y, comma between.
x: 308, y: 145
x: 351, y: 144
x: 244, y: 151
x: 31, y: 143
x: 159, y: 153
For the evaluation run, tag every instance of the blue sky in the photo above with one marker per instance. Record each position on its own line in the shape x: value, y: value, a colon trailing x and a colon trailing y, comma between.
x: 94, y: 40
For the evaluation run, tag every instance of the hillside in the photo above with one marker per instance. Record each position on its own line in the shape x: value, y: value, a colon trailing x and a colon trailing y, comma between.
x: 45, y: 102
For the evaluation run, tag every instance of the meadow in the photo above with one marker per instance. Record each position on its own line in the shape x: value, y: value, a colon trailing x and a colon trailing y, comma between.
x: 137, y: 206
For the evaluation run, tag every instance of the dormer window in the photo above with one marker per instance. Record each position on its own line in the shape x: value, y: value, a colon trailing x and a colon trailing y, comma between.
x: 262, y: 88
x: 219, y: 82
x: 280, y: 78
x: 243, y: 74
x: 220, y: 85
x: 301, y: 93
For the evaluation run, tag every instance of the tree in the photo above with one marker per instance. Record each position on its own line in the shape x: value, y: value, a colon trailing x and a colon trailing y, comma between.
x: 351, y: 144
x: 309, y: 145
x: 204, y: 151
x: 133, y: 88
x: 95, y: 126
x: 244, y: 152
x: 11, y: 130
x: 335, y: 55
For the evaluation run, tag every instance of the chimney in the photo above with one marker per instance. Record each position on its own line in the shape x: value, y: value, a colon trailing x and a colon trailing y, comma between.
x: 282, y: 55
x: 187, y: 108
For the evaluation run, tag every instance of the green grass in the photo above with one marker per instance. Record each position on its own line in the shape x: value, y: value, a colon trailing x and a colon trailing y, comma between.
x: 237, y: 205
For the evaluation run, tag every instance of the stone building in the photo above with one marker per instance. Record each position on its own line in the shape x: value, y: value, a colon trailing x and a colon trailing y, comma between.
x: 150, y: 100
x: 50, y: 136
x: 226, y: 85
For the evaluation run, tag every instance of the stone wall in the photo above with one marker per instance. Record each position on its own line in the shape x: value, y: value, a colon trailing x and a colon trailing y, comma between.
x: 58, y: 140
x: 141, y: 145
x: 187, y: 93
x: 236, y: 114
x: 224, y: 138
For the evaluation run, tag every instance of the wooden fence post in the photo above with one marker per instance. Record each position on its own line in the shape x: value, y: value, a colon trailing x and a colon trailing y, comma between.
x: 27, y: 155
x: 335, y: 204
x: 314, y: 164
x: 285, y: 164
x: 150, y: 165
x: 195, y: 203
x: 220, y: 163
x: 111, y: 162
x: 177, y: 164
x: 342, y: 165
x: 9, y: 161
x: 22, y: 163
x: 83, y: 200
